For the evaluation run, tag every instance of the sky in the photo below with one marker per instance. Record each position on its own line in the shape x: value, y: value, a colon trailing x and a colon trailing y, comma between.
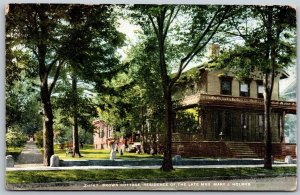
x: 130, y: 30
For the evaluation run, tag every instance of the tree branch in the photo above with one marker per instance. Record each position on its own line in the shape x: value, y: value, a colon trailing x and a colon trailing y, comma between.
x: 238, y: 30
x: 170, y: 20
x: 35, y: 53
x: 56, y: 76
x: 51, y: 65
x: 196, y: 49
x: 153, y: 24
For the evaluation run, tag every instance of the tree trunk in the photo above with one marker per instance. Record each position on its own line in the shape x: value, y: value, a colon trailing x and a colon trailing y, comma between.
x: 167, y: 164
x: 268, y: 86
x: 46, y: 106
x: 268, y: 132
x: 75, y: 117
x: 47, y: 125
x: 142, y: 132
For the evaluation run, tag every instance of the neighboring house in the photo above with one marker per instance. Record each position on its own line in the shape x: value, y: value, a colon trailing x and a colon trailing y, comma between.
x: 102, y: 134
x: 288, y: 92
x: 229, y: 115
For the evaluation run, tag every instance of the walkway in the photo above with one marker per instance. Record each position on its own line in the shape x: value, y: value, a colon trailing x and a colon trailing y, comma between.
x: 30, y: 155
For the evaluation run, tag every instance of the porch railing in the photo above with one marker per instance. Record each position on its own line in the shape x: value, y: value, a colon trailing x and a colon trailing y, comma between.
x: 232, y: 100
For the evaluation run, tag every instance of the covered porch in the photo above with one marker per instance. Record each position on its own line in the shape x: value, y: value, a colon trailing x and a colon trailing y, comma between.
x: 240, y: 119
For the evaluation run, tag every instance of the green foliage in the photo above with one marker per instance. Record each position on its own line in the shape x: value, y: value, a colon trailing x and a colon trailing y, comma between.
x: 46, y: 39
x: 22, y: 107
x: 15, y: 137
x: 263, y: 44
x: 14, y: 151
x: 90, y: 52
x: 38, y: 138
x: 186, y: 121
x: 86, y: 137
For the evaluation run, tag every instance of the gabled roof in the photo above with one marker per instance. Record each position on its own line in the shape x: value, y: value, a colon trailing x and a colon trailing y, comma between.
x: 206, y: 66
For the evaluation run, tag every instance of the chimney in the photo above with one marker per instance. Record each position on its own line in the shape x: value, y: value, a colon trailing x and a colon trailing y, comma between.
x: 214, y: 50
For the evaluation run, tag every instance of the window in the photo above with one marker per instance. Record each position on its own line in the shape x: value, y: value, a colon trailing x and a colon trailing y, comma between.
x: 226, y: 86
x: 109, y: 131
x: 244, y: 89
x: 260, y: 89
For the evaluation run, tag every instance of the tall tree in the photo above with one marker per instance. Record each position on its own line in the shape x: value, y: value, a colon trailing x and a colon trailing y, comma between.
x: 45, y: 31
x: 147, y: 90
x: 268, y: 46
x: 37, y: 28
x: 90, y: 51
x: 187, y: 38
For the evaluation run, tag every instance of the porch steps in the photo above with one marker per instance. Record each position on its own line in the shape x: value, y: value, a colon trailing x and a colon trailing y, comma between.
x: 241, y: 150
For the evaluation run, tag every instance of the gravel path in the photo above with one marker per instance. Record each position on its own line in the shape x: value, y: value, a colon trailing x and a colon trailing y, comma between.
x: 30, y: 155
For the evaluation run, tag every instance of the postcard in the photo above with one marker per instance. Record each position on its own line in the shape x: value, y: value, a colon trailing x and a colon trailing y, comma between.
x: 151, y: 97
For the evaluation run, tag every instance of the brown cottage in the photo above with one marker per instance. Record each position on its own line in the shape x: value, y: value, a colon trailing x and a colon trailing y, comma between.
x: 229, y: 115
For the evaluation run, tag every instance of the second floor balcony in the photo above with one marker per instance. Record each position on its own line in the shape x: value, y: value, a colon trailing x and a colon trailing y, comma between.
x: 202, y: 99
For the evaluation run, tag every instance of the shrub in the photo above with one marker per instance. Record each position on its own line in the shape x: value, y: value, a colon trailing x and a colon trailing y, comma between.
x: 38, y: 137
x: 15, y: 138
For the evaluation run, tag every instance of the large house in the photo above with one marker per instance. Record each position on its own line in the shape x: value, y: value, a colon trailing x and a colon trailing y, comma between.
x: 218, y: 115
x: 229, y: 115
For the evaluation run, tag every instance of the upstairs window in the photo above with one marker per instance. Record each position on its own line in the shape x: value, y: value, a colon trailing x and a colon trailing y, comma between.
x: 226, y: 87
x: 244, y: 89
x: 260, y: 89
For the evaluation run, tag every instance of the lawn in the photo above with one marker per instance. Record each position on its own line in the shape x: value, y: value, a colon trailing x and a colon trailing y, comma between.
x: 89, y: 153
x: 19, y: 177
x: 15, y: 152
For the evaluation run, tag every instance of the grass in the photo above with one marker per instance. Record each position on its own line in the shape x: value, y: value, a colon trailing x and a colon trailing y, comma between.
x: 15, y: 152
x: 90, y: 153
x: 20, y: 177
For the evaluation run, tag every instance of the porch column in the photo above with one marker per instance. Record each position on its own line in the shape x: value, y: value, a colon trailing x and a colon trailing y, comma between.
x: 223, y: 123
x: 281, y: 126
x: 201, y: 121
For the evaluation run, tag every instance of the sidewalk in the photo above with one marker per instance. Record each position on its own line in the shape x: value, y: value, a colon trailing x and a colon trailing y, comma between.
x: 31, y: 159
x: 30, y: 155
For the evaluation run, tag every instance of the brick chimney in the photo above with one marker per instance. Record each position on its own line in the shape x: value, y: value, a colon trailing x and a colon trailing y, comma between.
x: 214, y: 50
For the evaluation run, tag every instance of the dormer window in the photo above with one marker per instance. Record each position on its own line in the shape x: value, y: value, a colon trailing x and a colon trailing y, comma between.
x: 260, y: 89
x: 244, y: 89
x: 226, y: 87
